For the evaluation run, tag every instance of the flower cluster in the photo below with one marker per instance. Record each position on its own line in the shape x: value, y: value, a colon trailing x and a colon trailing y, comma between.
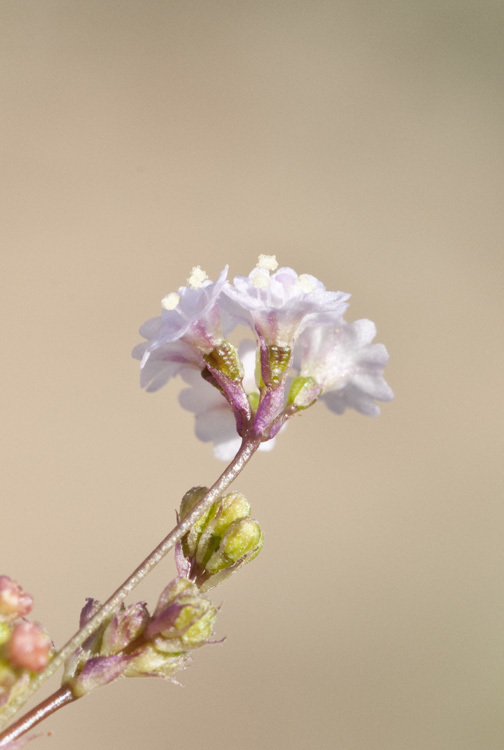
x: 25, y: 648
x: 303, y: 350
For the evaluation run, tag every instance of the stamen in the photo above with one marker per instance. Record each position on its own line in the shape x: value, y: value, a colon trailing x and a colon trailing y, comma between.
x: 259, y: 280
x: 305, y: 283
x: 197, y: 277
x: 267, y: 262
x: 171, y: 301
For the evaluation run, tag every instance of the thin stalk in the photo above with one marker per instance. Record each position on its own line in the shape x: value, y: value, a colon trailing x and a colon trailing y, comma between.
x: 246, y: 451
x: 57, y: 700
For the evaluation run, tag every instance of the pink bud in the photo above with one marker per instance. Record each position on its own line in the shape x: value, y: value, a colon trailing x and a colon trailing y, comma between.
x: 14, y: 602
x: 29, y: 647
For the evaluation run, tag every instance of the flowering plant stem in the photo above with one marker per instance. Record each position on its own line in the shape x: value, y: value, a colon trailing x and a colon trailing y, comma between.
x: 247, y: 449
x: 62, y: 697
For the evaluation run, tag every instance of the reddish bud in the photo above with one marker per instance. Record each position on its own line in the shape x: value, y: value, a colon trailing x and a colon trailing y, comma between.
x: 29, y: 647
x: 14, y: 602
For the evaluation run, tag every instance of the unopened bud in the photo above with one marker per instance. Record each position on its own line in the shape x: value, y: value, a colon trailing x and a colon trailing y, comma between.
x: 92, y: 644
x: 303, y: 392
x: 225, y: 539
x: 29, y: 646
x: 242, y: 542
x: 149, y: 662
x: 224, y: 512
x: 189, y: 501
x: 126, y: 626
x: 183, y: 619
x: 88, y: 611
x: 98, y: 671
x: 14, y: 602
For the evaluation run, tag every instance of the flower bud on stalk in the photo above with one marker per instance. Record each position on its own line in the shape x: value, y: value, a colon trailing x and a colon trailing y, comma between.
x: 29, y: 646
x: 223, y: 540
x: 303, y: 392
x: 14, y: 602
x: 24, y: 646
x: 183, y: 619
x: 103, y: 657
x: 134, y: 644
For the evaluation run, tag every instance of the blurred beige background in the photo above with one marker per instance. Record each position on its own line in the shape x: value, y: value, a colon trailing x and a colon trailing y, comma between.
x: 360, y: 142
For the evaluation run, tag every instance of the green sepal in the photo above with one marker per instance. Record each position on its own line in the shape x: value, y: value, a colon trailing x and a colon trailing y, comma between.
x: 303, y: 392
x: 224, y: 358
x: 278, y: 360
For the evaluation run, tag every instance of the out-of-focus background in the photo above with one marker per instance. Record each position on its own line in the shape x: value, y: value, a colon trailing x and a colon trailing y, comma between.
x: 360, y: 142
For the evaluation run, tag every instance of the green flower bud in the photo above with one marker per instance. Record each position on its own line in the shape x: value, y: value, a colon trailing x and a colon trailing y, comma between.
x: 183, y: 619
x: 303, y: 392
x: 242, y: 542
x: 189, y: 501
x: 218, y: 544
x: 226, y: 510
x: 149, y: 662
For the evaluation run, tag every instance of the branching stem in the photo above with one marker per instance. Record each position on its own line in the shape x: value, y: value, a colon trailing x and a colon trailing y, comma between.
x: 247, y: 449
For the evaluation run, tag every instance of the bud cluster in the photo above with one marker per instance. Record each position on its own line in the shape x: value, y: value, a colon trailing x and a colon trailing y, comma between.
x: 135, y: 643
x: 221, y: 541
x: 25, y: 648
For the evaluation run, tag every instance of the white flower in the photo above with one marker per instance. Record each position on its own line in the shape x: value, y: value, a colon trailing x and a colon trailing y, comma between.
x: 299, y: 325
x: 347, y: 367
x: 214, y: 419
x: 189, y: 326
x: 163, y: 363
x: 279, y: 306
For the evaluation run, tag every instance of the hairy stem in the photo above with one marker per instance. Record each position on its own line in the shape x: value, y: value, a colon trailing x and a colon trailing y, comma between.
x: 247, y: 449
x: 60, y: 698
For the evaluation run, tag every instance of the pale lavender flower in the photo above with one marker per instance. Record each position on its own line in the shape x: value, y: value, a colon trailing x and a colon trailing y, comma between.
x: 189, y: 327
x: 165, y: 361
x: 278, y: 307
x: 298, y: 324
x: 347, y: 369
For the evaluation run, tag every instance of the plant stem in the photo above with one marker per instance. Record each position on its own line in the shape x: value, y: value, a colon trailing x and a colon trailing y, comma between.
x: 60, y: 698
x: 246, y: 451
